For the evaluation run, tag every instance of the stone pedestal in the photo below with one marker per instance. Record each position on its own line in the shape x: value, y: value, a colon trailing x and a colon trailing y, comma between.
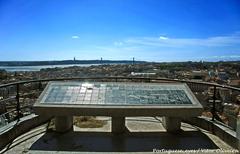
x: 63, y: 123
x: 172, y: 124
x: 118, y: 124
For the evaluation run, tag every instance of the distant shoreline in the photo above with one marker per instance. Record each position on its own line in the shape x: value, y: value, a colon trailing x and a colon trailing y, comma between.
x: 17, y: 66
x: 38, y: 68
x: 66, y: 62
x: 96, y: 62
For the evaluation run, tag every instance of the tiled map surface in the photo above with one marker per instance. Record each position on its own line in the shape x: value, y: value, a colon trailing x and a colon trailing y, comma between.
x: 117, y: 94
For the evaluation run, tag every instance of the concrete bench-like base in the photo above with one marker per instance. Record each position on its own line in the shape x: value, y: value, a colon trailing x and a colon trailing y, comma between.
x: 172, y: 124
x: 65, y: 123
x: 118, y: 125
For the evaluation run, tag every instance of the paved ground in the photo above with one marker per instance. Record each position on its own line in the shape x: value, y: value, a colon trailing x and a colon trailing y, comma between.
x: 144, y: 135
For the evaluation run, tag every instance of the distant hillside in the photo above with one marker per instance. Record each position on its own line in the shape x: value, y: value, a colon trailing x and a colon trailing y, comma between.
x: 65, y: 62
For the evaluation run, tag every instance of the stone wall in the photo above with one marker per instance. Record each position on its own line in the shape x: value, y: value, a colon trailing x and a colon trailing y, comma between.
x: 13, y: 130
x: 223, y: 132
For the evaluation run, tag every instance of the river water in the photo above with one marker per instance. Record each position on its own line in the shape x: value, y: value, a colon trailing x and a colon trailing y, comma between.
x: 38, y: 68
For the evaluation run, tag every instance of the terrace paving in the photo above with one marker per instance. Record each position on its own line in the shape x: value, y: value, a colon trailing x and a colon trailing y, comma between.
x: 144, y: 134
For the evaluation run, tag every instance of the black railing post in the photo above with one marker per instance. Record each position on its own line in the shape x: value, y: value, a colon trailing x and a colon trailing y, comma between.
x: 40, y: 86
x: 18, y: 103
x: 214, y: 103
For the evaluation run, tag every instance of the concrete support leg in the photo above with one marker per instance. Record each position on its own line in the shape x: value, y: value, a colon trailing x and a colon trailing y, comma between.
x: 238, y: 131
x: 172, y: 124
x: 63, y: 123
x: 118, y: 124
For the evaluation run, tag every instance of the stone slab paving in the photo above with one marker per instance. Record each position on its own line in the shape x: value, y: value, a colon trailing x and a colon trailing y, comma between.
x: 145, y: 135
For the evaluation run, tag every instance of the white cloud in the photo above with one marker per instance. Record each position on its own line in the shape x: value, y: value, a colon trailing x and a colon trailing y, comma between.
x: 220, y: 57
x: 118, y: 43
x: 161, y: 47
x: 163, y: 38
x: 75, y: 37
x: 216, y: 41
x: 155, y: 44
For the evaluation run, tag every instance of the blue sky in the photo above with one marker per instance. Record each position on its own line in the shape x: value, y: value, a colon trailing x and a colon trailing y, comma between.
x: 152, y: 30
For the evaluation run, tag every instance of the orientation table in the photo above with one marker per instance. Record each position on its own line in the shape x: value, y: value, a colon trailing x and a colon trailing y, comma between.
x: 63, y: 100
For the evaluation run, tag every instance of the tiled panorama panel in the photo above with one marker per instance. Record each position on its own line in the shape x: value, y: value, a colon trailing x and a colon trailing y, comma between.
x: 117, y: 94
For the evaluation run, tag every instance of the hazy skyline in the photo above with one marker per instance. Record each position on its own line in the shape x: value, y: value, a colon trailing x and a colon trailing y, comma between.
x: 151, y: 30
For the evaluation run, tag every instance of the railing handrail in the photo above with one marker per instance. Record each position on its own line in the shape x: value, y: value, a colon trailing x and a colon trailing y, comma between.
x: 116, y: 79
x: 120, y: 77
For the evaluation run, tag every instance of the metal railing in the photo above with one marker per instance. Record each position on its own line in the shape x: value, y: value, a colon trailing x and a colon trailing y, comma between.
x: 15, y: 109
